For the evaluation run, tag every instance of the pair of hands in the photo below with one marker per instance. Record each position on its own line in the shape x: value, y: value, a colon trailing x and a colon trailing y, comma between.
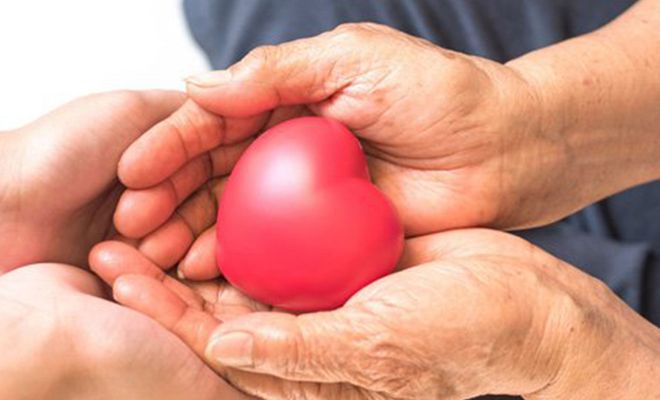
x: 63, y: 336
x: 470, y: 312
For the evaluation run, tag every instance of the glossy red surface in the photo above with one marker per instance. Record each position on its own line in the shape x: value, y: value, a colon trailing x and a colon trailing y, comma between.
x: 300, y: 225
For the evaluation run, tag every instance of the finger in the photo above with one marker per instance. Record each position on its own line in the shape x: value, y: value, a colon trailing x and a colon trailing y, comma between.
x: 304, y: 71
x: 133, y: 113
x: 193, y: 326
x: 319, y: 347
x: 121, y: 238
x: 199, y: 263
x: 282, y: 114
x: 51, y: 276
x: 270, y: 387
x: 227, y: 301
x: 141, y: 211
x: 459, y: 243
x: 168, y: 244
x: 177, y: 140
x: 154, y: 299
x: 110, y: 260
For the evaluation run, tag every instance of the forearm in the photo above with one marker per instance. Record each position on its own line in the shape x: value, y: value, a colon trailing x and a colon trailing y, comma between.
x: 614, y: 365
x: 600, y: 95
x: 630, y: 373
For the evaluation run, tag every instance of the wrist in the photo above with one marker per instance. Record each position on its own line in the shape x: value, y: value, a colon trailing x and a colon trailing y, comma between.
x: 15, y: 246
x: 609, y: 352
x: 604, y: 113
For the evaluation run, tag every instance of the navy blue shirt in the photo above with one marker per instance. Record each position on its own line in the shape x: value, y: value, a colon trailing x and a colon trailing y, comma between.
x: 616, y: 240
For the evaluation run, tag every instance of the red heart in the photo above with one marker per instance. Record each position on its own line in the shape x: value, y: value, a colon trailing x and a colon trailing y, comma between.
x: 300, y: 225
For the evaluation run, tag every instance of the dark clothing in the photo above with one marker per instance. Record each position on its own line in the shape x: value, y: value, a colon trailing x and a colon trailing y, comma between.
x: 496, y: 29
x: 616, y: 240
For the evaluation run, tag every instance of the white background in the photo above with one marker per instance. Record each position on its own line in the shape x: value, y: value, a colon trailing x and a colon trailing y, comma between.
x: 52, y: 51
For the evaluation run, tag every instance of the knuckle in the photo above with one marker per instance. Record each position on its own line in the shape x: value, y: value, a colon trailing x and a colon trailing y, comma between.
x: 128, y: 99
x: 261, y: 56
x: 196, y: 129
x: 389, y: 364
x: 361, y: 31
x: 351, y: 31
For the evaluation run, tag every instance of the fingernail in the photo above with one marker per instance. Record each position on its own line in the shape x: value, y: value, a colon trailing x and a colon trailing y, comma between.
x: 207, y: 79
x: 120, y: 290
x: 232, y: 349
x: 179, y: 274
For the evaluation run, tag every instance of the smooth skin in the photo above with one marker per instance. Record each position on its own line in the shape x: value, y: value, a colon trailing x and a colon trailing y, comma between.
x: 59, y: 186
x: 454, y: 141
x: 62, y: 336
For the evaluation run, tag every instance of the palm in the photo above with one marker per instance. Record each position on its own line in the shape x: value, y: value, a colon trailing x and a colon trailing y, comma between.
x: 109, y: 342
x: 448, y: 271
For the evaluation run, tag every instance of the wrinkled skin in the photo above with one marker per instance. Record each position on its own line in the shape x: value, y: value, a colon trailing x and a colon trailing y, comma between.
x: 447, y: 137
x: 453, y: 141
x: 472, y: 312
x: 62, y: 339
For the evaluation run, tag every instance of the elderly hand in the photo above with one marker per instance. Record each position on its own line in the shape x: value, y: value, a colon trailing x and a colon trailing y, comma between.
x: 62, y: 339
x: 473, y: 312
x: 59, y: 187
x: 450, y: 138
x: 453, y: 140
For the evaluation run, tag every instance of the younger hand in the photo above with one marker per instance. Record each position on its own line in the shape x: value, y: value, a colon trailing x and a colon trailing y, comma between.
x: 63, y: 339
x: 59, y: 186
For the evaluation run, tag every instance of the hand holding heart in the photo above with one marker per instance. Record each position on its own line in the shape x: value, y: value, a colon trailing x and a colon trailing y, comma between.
x: 300, y: 225
x: 472, y: 312
x: 452, y: 141
x: 445, y: 136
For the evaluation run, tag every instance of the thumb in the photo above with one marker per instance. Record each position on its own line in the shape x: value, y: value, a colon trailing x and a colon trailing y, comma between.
x: 319, y: 347
x: 105, y: 125
x: 304, y: 71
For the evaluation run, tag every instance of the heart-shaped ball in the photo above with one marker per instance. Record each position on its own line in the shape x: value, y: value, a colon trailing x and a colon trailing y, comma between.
x: 300, y: 225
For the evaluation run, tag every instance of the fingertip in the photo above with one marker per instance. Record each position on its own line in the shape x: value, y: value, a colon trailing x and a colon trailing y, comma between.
x: 122, y: 289
x: 199, y: 264
x: 140, y: 212
x: 168, y: 244
x: 126, y: 166
x: 102, y: 252
x: 104, y: 259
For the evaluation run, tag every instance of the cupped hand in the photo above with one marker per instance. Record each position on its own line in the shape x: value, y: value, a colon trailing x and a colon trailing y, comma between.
x: 59, y: 183
x: 63, y: 339
x: 472, y: 312
x: 453, y: 140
